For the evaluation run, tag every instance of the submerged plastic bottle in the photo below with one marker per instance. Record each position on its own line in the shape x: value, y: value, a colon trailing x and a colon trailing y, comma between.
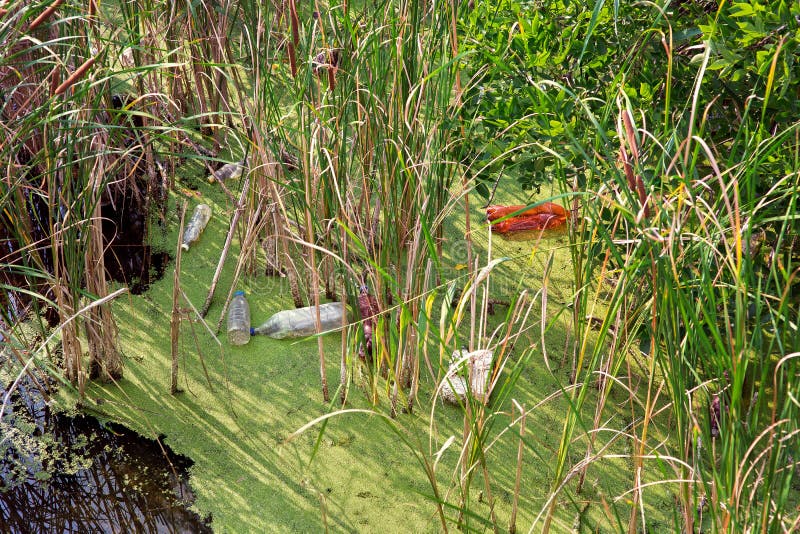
x: 196, y: 225
x: 239, y: 320
x: 302, y: 321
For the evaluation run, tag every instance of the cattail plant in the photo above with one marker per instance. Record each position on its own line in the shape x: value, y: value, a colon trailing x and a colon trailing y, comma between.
x: 65, y: 155
x: 372, y: 180
x: 690, y: 301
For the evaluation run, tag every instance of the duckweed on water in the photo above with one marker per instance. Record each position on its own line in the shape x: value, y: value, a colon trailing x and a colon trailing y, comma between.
x: 361, y: 476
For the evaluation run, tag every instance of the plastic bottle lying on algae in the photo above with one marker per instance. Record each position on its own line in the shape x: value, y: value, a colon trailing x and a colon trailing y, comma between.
x: 239, y: 320
x: 229, y: 171
x: 302, y: 322
x: 196, y: 225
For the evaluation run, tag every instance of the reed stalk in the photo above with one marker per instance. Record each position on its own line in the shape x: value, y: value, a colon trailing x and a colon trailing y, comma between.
x: 680, y: 247
x: 512, y: 523
x: 176, y: 316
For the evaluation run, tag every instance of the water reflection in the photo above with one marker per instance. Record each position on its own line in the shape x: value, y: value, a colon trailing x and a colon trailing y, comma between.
x: 72, y: 474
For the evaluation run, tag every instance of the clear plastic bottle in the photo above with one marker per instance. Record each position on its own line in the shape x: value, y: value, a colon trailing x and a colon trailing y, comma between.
x: 196, y: 225
x: 229, y: 171
x: 239, y: 320
x: 302, y: 321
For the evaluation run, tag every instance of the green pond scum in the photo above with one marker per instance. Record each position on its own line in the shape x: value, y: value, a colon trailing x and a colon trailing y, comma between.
x: 652, y: 345
x: 357, y: 472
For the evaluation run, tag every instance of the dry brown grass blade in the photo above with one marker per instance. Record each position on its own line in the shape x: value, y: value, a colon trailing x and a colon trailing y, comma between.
x: 512, y: 524
x: 175, y: 318
x: 234, y: 222
x: 105, y: 359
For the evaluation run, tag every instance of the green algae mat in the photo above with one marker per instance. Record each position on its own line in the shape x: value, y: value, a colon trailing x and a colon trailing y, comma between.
x: 239, y: 409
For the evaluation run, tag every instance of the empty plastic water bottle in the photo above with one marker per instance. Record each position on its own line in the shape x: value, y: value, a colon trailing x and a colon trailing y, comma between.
x: 196, y: 225
x: 239, y: 320
x: 302, y: 321
x: 229, y: 171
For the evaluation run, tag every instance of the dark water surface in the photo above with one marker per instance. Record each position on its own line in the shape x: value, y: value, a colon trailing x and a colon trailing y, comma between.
x: 74, y: 474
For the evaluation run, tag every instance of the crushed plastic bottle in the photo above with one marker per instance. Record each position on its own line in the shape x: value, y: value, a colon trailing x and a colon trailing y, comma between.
x: 196, y: 225
x: 469, y: 374
x: 239, y: 320
x: 302, y: 321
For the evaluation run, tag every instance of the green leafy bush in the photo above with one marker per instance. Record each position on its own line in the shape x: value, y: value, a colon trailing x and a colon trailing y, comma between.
x: 652, y: 52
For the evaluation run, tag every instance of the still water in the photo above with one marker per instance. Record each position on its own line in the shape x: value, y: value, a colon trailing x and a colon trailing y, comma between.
x: 62, y: 474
